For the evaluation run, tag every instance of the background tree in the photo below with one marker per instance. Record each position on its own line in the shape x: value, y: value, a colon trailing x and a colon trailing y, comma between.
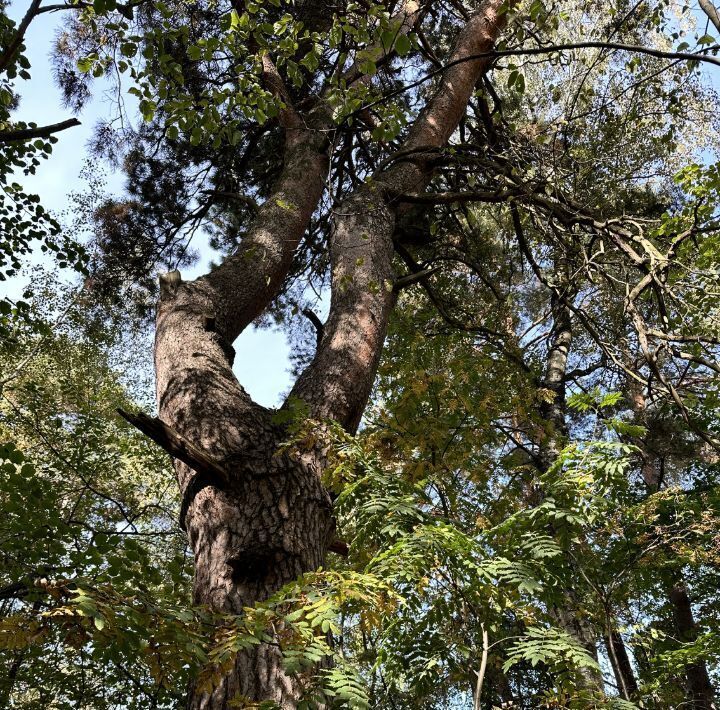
x: 22, y: 148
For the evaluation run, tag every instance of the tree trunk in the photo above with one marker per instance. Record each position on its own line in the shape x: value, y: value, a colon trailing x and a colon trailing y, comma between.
x: 622, y: 668
x: 270, y: 519
x: 699, y: 689
x: 711, y: 11
x: 568, y: 615
x: 270, y: 524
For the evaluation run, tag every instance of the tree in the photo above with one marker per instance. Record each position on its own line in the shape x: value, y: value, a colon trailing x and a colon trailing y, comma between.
x: 271, y: 520
x: 86, y: 507
x: 22, y: 148
x: 509, y: 518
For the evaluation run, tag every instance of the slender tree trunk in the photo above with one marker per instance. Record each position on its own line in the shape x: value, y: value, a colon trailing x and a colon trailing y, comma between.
x: 6, y: 692
x: 553, y: 411
x: 8, y: 683
x: 270, y: 519
x: 568, y: 615
x: 699, y: 689
x: 622, y: 668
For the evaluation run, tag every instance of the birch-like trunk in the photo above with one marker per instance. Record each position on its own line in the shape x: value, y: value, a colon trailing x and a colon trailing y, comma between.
x: 568, y: 614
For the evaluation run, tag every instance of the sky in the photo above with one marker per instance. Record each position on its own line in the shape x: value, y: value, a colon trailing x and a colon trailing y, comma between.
x: 262, y: 356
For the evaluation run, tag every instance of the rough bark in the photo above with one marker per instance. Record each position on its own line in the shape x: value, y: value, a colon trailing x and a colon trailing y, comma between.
x: 240, y: 289
x: 272, y: 519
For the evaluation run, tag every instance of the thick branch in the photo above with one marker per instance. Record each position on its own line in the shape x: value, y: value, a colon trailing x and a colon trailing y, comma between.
x: 38, y: 132
x: 289, y: 117
x: 339, y: 547
x: 243, y: 285
x: 178, y: 447
x: 337, y: 383
x: 471, y: 57
x: 265, y: 255
x: 9, y: 53
x: 712, y: 12
x: 410, y: 279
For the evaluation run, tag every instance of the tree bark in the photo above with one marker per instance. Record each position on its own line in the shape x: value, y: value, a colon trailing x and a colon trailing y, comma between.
x: 698, y: 687
x: 700, y: 692
x: 622, y: 668
x: 712, y: 12
x: 568, y: 614
x: 272, y: 519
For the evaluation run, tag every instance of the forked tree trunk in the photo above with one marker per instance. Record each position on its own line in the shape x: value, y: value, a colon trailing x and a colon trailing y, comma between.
x: 271, y: 520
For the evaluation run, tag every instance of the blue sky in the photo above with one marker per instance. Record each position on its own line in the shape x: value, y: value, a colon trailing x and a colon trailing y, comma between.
x: 261, y: 362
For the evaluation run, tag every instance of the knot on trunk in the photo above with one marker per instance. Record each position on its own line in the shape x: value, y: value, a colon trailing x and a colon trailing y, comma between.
x: 251, y: 566
x: 169, y: 284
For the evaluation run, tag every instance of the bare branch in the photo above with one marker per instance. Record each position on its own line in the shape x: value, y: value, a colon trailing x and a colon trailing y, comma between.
x: 446, y: 198
x: 9, y: 54
x: 246, y: 199
x: 316, y: 322
x: 481, y: 672
x: 16, y: 590
x: 700, y: 56
x: 38, y: 132
x: 63, y: 6
x: 177, y: 446
x: 712, y: 12
x: 410, y: 279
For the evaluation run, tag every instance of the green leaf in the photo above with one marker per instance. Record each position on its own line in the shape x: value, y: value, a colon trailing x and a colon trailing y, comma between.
x: 403, y: 45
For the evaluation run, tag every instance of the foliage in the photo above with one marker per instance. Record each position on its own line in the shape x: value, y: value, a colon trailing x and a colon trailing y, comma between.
x: 536, y: 478
x: 26, y: 226
x: 101, y: 522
